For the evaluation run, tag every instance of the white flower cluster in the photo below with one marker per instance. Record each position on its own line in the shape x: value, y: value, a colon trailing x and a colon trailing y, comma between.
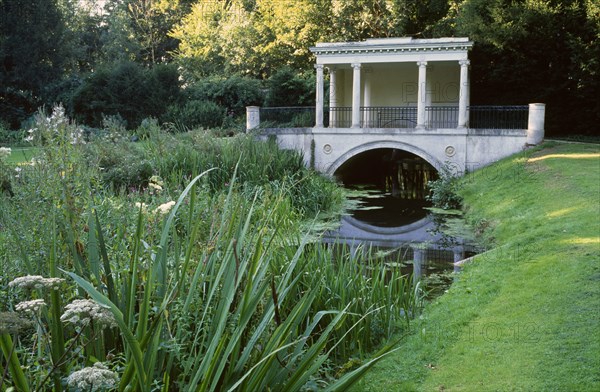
x: 32, y: 306
x: 30, y: 134
x: 4, y: 152
x: 141, y: 205
x: 77, y: 136
x: 94, y: 378
x: 164, y: 208
x: 57, y: 125
x: 83, y: 311
x: 36, y: 282
x: 155, y: 184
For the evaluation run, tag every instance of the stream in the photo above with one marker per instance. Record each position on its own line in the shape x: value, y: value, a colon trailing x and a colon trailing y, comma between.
x: 390, y: 219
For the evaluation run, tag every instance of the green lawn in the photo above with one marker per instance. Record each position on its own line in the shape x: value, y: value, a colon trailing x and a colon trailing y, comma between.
x: 526, y: 315
x: 21, y: 154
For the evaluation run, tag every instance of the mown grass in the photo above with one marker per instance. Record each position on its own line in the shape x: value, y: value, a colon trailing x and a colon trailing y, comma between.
x: 21, y: 154
x: 525, y: 316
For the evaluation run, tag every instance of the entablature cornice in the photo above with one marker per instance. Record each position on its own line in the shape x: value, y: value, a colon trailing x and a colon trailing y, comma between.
x: 394, y: 49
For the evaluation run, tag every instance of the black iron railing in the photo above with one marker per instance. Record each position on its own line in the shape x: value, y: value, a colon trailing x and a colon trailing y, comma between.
x: 441, y: 117
x: 388, y: 117
x: 498, y: 117
x: 340, y: 117
x: 480, y: 117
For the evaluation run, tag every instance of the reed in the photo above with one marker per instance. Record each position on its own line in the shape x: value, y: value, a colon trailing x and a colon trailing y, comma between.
x: 225, y: 291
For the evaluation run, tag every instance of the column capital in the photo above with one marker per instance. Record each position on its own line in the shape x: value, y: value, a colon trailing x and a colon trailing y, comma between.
x: 319, y: 66
x: 464, y: 63
x: 332, y: 69
x: 356, y: 65
x: 422, y: 64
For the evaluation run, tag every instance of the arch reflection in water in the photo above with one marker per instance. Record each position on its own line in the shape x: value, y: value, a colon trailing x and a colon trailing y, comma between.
x: 413, y: 246
x: 391, y: 223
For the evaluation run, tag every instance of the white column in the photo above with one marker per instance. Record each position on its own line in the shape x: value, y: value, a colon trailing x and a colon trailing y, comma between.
x: 428, y: 94
x: 421, y: 94
x: 332, y: 97
x: 367, y: 98
x: 356, y: 95
x: 319, y: 99
x: 463, y: 98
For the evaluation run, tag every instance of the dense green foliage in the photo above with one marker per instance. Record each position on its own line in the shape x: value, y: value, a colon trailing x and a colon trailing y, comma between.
x: 524, y: 315
x: 525, y: 51
x: 126, y: 89
x: 32, y: 57
x: 193, y: 258
x: 286, y: 88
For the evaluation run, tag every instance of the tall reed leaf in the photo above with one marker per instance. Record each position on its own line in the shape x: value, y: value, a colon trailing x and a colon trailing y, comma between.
x: 129, y: 339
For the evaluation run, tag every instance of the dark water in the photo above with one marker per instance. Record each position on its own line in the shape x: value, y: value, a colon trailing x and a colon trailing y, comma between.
x: 390, y: 222
x: 398, y: 231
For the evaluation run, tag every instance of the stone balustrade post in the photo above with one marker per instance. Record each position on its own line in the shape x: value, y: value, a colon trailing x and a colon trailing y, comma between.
x: 252, y: 117
x: 535, y: 123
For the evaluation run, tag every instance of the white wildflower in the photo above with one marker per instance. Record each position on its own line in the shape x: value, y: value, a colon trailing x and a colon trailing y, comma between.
x: 94, y: 378
x: 164, y: 208
x: 32, y: 306
x: 31, y: 134
x: 58, y: 113
x: 155, y: 186
x: 156, y: 180
x: 36, y: 282
x: 77, y: 136
x: 155, y: 183
x: 83, y: 311
x: 139, y: 205
x: 4, y: 152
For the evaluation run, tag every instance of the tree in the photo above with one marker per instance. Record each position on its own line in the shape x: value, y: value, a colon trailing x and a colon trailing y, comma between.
x: 536, y: 51
x: 127, y: 89
x: 258, y: 37
x: 32, y: 55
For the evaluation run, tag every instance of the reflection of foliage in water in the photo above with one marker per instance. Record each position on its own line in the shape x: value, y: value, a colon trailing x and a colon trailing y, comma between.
x: 436, y: 283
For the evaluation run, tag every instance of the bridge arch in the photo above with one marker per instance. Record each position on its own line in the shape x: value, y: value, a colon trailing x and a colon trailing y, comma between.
x: 383, y: 144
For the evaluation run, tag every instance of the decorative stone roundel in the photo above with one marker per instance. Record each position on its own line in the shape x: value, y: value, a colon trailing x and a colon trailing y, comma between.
x: 450, y: 151
x: 327, y: 149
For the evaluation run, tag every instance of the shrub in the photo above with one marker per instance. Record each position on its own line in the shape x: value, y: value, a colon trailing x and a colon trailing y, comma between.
x: 234, y: 93
x: 195, y: 113
x: 287, y: 88
x: 148, y: 128
x: 443, y: 192
x: 123, y: 165
x: 127, y: 89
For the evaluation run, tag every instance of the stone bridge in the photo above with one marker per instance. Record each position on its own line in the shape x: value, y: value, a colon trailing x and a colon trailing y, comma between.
x: 459, y: 150
x: 399, y: 93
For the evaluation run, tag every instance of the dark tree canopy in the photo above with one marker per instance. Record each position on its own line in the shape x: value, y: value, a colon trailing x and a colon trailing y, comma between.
x: 31, y: 54
x: 525, y: 51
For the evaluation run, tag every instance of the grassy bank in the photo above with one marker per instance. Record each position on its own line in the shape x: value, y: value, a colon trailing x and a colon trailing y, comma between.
x: 21, y: 154
x: 524, y: 316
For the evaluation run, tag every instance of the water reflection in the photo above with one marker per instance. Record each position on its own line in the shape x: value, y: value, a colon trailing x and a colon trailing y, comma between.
x: 399, y: 231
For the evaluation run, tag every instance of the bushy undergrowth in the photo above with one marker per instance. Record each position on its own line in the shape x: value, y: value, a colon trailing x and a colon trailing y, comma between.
x: 196, y: 277
x: 444, y: 192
